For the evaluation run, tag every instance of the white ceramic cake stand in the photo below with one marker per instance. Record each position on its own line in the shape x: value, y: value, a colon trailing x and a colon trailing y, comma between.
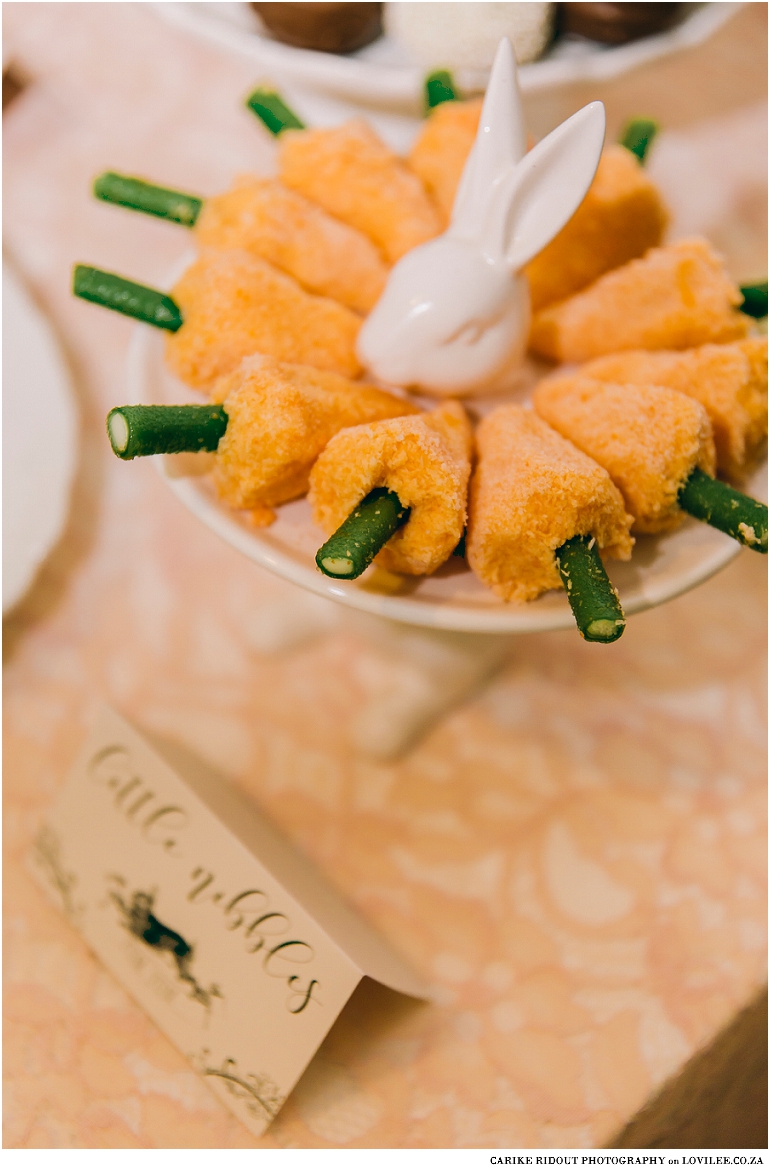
x: 453, y: 599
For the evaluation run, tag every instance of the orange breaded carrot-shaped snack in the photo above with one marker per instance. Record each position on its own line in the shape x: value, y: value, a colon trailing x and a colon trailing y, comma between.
x: 424, y: 460
x: 648, y: 438
x: 280, y: 417
x: 672, y: 298
x: 442, y: 147
x: 729, y: 380
x: 235, y: 304
x: 533, y: 491
x: 350, y: 172
x: 621, y: 217
x: 326, y: 256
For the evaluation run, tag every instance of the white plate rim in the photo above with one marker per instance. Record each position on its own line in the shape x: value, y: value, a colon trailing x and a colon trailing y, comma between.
x: 49, y: 386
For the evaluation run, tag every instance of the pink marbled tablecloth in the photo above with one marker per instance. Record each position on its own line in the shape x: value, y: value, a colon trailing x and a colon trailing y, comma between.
x: 575, y: 859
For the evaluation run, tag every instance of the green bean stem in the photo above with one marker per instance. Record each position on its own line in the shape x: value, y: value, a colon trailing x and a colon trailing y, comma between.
x: 118, y: 293
x: 145, y: 197
x: 725, y: 508
x: 273, y: 111
x: 592, y: 597
x: 638, y: 136
x: 755, y: 300
x: 143, y: 431
x: 439, y: 87
x: 352, y: 547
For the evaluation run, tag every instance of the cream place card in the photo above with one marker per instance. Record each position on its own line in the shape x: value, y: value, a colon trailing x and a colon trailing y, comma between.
x: 232, y: 942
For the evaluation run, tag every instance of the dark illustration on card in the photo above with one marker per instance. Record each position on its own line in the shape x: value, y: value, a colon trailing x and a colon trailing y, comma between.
x: 261, y: 1095
x: 141, y: 921
x: 48, y: 858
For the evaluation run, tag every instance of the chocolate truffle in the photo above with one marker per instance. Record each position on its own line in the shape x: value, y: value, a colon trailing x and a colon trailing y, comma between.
x: 615, y: 24
x: 331, y: 28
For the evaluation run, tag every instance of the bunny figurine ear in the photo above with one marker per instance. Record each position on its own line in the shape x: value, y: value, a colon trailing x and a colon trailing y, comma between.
x: 500, y: 143
x: 545, y: 189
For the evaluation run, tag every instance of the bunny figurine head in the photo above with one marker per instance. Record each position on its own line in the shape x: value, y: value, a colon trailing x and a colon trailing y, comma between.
x: 454, y: 316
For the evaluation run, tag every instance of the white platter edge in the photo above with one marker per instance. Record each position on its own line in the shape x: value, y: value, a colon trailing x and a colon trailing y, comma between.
x: 40, y: 417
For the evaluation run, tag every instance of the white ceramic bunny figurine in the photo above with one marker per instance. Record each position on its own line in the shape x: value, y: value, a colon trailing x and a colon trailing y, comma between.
x: 454, y: 316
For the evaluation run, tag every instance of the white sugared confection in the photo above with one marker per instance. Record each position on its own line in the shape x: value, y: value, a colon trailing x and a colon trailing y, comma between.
x: 466, y: 36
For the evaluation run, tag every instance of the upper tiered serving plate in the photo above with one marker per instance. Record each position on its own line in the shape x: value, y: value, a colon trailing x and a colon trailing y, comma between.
x: 381, y: 76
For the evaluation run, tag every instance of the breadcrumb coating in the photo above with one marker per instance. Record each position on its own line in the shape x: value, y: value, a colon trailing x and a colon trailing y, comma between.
x: 350, y: 172
x: 280, y: 417
x: 235, y: 304
x: 672, y: 298
x: 442, y: 147
x: 424, y: 460
x: 531, y: 492
x: 621, y: 217
x: 730, y: 380
x: 326, y: 256
x: 648, y: 438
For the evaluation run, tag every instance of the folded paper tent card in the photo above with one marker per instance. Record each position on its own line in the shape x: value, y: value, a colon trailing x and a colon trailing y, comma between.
x: 232, y: 942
